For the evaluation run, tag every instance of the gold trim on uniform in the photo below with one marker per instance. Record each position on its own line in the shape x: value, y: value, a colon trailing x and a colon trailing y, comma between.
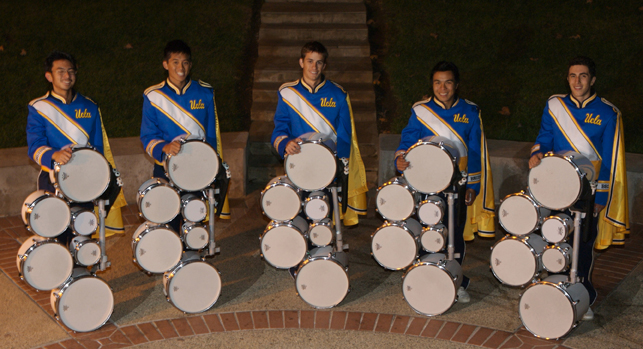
x: 154, y: 87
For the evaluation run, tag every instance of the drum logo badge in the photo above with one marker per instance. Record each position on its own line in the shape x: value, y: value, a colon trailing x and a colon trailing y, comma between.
x: 148, y: 204
x: 94, y: 253
x: 527, y: 306
x: 408, y: 288
x: 268, y: 202
x: 504, y: 213
x: 91, y: 222
x: 142, y: 252
x: 291, y: 165
x: 266, y: 247
x: 65, y: 307
x: 382, y: 201
x: 560, y: 231
x: 315, y: 235
x: 535, y: 181
x: 36, y: 216
x: 378, y: 246
x: 174, y: 167
x: 497, y: 262
x: 29, y: 269
x: 303, y: 287
x: 65, y: 176
x: 176, y: 288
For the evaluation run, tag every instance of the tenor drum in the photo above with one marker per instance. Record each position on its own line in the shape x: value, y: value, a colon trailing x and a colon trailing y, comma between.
x: 431, y: 210
x: 84, y: 303
x: 283, y: 244
x: 557, y: 228
x: 433, y: 163
x: 394, y: 245
x: 322, y: 279
x: 85, y: 250
x: 193, y: 207
x: 430, y: 286
x: 280, y: 200
x: 45, y: 214
x: 156, y: 248
x: 553, y: 307
x: 434, y: 238
x: 158, y: 202
x: 557, y: 258
x: 515, y: 261
x: 557, y: 182
x: 395, y: 199
x: 195, y: 166
x: 195, y: 235
x: 321, y: 233
x: 83, y: 221
x: 43, y: 263
x: 315, y: 167
x: 520, y: 215
x: 317, y: 206
x: 85, y: 177
x: 193, y: 286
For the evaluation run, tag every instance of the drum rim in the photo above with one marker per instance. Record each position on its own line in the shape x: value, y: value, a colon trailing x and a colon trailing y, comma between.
x: 295, y: 189
x: 533, y: 203
x: 440, y: 145
x: 328, y: 257
x: 439, y: 265
x: 75, y: 215
x: 66, y: 285
x: 407, y: 187
x: 559, y: 288
x: 79, y: 244
x: 23, y: 259
x: 32, y: 205
x: 574, y: 167
x: 184, y: 234
x: 537, y: 259
x: 439, y: 204
x: 149, y: 228
x: 568, y: 227
x: 322, y: 223
x: 565, y: 254
x: 57, y: 168
x: 332, y: 153
x: 170, y: 274
x: 185, y: 203
x: 273, y: 225
x: 431, y: 228
x: 169, y: 157
x: 310, y: 199
x: 401, y: 224
x: 141, y: 196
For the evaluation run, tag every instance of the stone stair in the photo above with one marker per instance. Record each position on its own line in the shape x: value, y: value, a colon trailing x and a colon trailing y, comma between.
x: 285, y: 26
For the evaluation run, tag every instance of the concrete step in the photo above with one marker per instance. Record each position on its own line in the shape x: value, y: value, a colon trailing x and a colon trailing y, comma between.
x: 267, y: 92
x: 292, y: 48
x: 317, y: 31
x: 342, y: 70
x: 307, y: 12
x: 265, y: 111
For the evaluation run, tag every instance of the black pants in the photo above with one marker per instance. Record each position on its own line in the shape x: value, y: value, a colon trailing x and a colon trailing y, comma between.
x: 586, y: 257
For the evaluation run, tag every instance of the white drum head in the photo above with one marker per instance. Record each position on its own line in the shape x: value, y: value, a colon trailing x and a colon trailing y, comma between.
x: 395, y: 202
x: 88, y: 254
x: 50, y: 217
x: 160, y: 204
x: 429, y: 213
x: 158, y: 250
x: 194, y: 167
x: 518, y: 215
x: 283, y: 247
x: 321, y: 235
x: 431, y: 168
x: 85, y: 177
x: 86, y: 304
x: 393, y: 247
x: 546, y: 311
x: 428, y: 289
x: 554, y: 183
x: 47, y: 266
x: 322, y: 283
x: 513, y: 263
x: 553, y: 230
x: 317, y: 209
x: 195, y: 210
x: 312, y: 169
x: 554, y: 260
x: 280, y: 203
x: 195, y: 287
x: 85, y: 223
x: 432, y: 240
x: 196, y: 238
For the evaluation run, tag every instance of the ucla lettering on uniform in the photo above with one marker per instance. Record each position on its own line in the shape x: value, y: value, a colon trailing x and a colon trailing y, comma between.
x: 196, y: 105
x: 327, y: 103
x: 463, y: 118
x: 590, y: 119
x: 83, y: 114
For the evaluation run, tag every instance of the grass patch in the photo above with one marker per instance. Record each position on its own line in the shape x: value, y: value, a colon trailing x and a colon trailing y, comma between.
x: 220, y: 33
x: 511, y: 54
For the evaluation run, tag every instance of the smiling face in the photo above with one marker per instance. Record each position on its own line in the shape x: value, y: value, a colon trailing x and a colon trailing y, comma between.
x: 178, y: 68
x: 62, y: 76
x: 444, y: 87
x: 580, y: 81
x: 313, y: 66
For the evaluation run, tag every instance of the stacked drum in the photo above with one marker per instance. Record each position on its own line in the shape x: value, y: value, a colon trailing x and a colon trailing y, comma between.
x: 300, y: 235
x: 190, y: 283
x: 79, y: 298
x: 551, y: 306
x: 414, y: 214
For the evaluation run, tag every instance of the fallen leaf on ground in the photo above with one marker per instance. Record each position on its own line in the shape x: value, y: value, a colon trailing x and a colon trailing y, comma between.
x: 505, y: 111
x: 128, y: 46
x: 23, y: 52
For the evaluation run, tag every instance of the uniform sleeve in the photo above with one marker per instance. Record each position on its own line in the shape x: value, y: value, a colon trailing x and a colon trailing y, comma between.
x: 608, y: 153
x: 211, y: 127
x: 410, y: 135
x: 96, y: 137
x: 281, y: 134
x: 38, y: 145
x: 344, y: 130
x: 545, y: 140
x: 151, y: 134
x: 474, y: 157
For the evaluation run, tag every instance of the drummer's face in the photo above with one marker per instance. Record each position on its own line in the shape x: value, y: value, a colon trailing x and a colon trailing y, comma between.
x: 178, y: 68
x: 580, y: 81
x: 313, y: 65
x: 444, y: 87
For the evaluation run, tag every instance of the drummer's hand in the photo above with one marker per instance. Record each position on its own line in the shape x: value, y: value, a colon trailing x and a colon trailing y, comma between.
x: 535, y: 160
x: 469, y: 197
x: 598, y: 208
x: 172, y: 148
x: 401, y: 164
x: 293, y: 147
x: 62, y: 156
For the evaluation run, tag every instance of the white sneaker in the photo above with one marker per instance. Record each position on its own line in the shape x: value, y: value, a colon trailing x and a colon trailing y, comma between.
x: 589, y: 315
x: 463, y: 295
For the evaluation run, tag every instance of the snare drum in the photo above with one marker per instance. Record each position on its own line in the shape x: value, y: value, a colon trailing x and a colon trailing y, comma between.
x: 515, y: 260
x: 85, y: 250
x: 553, y: 307
x: 193, y: 207
x: 322, y: 279
x: 395, y: 199
x: 316, y: 206
x: 557, y: 182
x: 557, y: 258
x: 193, y: 286
x: 431, y: 210
x: 520, y: 215
x: 433, y: 163
x: 394, y: 245
x: 430, y: 286
x: 315, y: 167
x: 280, y: 200
x: 85, y: 177
x: 321, y: 232
x: 283, y: 244
x: 84, y: 303
x: 434, y: 238
x: 195, y: 235
x: 195, y: 166
x: 158, y: 202
x: 43, y: 263
x: 83, y: 221
x: 156, y: 248
x: 45, y: 214
x: 557, y: 228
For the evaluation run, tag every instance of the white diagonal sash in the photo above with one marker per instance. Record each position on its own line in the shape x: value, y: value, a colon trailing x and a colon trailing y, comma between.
x: 62, y: 122
x: 440, y: 128
x: 570, y: 128
x: 180, y: 116
x: 311, y: 115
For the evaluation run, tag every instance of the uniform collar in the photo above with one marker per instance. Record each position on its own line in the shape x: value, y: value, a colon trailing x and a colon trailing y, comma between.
x: 441, y: 105
x: 310, y: 89
x: 177, y: 90
x: 585, y: 102
x: 61, y: 98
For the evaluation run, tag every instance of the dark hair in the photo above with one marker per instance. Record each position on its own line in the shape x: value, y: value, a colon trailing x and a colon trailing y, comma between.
x: 314, y: 46
x: 176, y: 46
x: 586, y: 61
x: 57, y: 56
x: 446, y: 66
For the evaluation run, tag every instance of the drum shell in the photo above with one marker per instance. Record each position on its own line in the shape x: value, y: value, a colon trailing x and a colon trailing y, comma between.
x: 507, y: 256
x: 191, y: 201
x: 557, y: 228
x: 173, y: 199
x: 172, y: 253
x: 323, y: 239
x: 199, y: 157
x: 526, y: 222
x: 320, y: 160
x: 195, y: 228
x: 434, y: 233
x: 396, y: 199
x: 99, y: 169
x: 296, y: 243
x: 288, y: 202
x: 320, y: 257
x: 394, y: 252
x: 188, y: 259
x: 317, y: 206
x: 63, y: 266
x: 563, y: 251
x: 424, y: 180
x: 79, y: 243
x: 424, y: 215
x: 62, y: 214
x: 76, y: 214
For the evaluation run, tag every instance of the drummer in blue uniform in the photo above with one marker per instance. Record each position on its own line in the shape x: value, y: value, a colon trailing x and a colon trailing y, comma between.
x: 447, y: 115
x: 597, y: 133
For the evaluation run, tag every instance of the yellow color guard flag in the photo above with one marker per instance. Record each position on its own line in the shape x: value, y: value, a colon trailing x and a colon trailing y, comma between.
x: 357, y: 188
x: 480, y: 215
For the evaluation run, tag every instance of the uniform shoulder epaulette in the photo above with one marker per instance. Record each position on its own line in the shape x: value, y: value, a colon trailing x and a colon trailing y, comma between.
x: 38, y: 99
x: 610, y: 104
x: 288, y: 84
x: 421, y: 102
x: 338, y: 85
x: 154, y: 87
x: 557, y: 96
x: 89, y: 99
x: 469, y: 102
x: 204, y: 84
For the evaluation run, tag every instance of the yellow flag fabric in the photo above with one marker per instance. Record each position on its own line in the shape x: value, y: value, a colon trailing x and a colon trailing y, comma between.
x: 357, y: 188
x: 225, y: 210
